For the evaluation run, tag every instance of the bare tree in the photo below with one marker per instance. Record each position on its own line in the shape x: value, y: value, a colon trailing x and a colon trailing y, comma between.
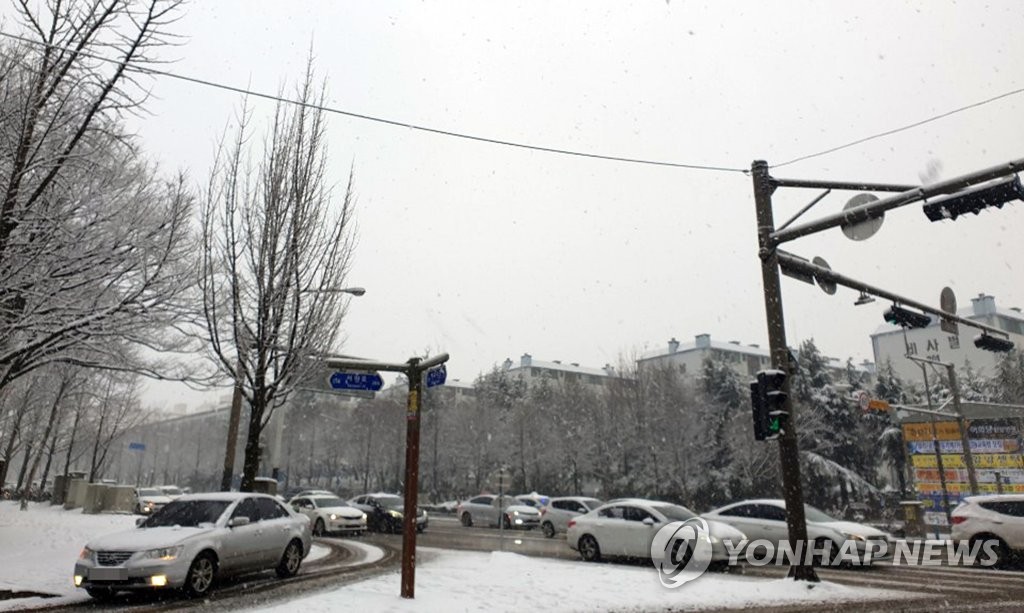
x: 115, y: 408
x: 274, y: 247
x: 93, y: 245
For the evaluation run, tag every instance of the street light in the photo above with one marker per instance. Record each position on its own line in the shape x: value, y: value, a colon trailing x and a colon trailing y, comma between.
x: 236, y: 400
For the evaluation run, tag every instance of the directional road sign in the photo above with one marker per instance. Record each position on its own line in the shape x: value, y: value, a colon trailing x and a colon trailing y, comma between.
x: 137, y: 446
x: 437, y: 376
x: 347, y: 380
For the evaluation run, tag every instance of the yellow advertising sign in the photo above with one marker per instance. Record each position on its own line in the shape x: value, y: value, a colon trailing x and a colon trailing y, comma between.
x: 981, y: 460
x: 945, y: 431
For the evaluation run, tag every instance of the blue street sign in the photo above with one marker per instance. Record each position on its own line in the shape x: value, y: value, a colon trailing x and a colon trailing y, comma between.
x: 437, y: 376
x: 137, y: 446
x: 367, y: 381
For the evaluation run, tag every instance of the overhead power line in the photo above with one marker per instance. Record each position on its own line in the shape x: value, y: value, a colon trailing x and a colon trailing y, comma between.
x: 383, y: 120
x: 901, y: 128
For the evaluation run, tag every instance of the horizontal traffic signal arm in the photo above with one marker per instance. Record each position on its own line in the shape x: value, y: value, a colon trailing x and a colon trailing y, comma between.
x: 874, y: 209
x: 803, y: 268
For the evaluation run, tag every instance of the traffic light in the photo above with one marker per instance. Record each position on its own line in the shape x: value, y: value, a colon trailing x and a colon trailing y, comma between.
x: 908, y: 319
x: 991, y: 343
x: 994, y: 193
x: 769, y: 404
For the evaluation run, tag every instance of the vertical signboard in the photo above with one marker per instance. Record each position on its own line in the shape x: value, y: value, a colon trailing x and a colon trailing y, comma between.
x: 995, y: 447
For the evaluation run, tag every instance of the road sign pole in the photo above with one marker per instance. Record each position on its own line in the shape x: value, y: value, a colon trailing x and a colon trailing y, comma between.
x: 412, y: 470
x: 789, y: 453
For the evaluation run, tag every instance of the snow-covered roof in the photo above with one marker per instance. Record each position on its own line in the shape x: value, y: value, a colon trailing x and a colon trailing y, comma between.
x: 711, y: 344
x: 562, y: 366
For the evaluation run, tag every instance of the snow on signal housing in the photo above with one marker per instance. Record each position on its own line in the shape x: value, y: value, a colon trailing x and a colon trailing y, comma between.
x: 974, y: 199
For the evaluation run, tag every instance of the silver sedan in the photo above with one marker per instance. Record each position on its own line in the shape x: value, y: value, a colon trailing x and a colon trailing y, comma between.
x: 194, y: 540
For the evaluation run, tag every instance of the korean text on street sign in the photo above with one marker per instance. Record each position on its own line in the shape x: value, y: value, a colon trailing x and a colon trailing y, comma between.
x: 137, y: 446
x: 368, y: 381
x: 437, y: 376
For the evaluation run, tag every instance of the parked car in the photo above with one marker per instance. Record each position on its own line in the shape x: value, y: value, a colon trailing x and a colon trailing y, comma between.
x: 627, y: 527
x: 386, y: 512
x: 193, y: 541
x: 148, y: 500
x: 171, y: 491
x: 535, y: 500
x: 766, y: 519
x: 314, y: 493
x: 329, y: 514
x: 993, y: 516
x: 555, y: 516
x: 488, y: 510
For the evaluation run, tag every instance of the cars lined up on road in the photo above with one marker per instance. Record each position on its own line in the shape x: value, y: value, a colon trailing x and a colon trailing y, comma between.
x: 555, y: 516
x: 488, y: 510
x: 386, y: 512
x: 149, y: 500
x: 192, y: 541
x: 998, y: 517
x: 626, y: 528
x: 329, y: 514
x: 766, y: 519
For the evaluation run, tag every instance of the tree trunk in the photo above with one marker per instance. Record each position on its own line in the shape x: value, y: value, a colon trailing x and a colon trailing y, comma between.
x: 54, y: 410
x: 71, y: 441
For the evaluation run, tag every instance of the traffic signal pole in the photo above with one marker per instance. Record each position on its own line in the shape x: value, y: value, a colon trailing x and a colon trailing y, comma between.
x: 789, y: 452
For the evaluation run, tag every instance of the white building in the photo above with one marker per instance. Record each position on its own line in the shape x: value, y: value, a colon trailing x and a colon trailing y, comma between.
x: 893, y: 343
x: 532, y: 371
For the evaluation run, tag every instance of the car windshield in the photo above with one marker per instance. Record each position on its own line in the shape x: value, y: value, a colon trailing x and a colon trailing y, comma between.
x: 173, y: 491
x: 392, y: 502
x: 675, y: 512
x: 150, y: 492
x: 323, y: 503
x: 187, y: 513
x: 813, y: 514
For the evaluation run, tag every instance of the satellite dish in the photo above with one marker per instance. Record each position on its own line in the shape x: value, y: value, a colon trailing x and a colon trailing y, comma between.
x: 865, y: 229
x: 829, y: 287
x: 947, y: 302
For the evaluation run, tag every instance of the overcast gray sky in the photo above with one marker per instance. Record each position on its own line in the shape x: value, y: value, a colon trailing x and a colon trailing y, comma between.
x: 487, y: 251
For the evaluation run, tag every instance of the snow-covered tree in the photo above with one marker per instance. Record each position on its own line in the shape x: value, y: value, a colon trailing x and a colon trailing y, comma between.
x: 277, y: 247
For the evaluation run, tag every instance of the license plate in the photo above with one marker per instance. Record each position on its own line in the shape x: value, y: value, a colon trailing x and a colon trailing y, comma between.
x: 108, y: 574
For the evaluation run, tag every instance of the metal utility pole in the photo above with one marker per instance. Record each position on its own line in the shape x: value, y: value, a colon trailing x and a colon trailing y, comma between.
x: 413, y: 369
x: 789, y: 452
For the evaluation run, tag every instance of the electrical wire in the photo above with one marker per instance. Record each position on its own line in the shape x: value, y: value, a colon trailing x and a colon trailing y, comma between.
x: 909, y: 126
x: 383, y: 120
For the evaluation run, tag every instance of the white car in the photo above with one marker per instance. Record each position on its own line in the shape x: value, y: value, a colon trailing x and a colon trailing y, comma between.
x: 192, y: 542
x: 766, y: 519
x: 488, y: 510
x: 626, y: 528
x: 148, y: 500
x: 329, y: 514
x: 995, y: 516
x: 171, y: 491
x: 555, y: 516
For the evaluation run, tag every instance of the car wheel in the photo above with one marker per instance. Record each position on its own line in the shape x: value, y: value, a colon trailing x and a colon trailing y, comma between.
x: 291, y: 560
x: 590, y: 551
x: 100, y: 593
x: 1004, y: 556
x: 549, y: 529
x: 318, y: 528
x: 467, y: 520
x: 830, y: 551
x: 200, y: 575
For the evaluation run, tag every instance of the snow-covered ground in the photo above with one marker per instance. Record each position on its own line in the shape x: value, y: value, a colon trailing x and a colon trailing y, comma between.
x: 38, y: 549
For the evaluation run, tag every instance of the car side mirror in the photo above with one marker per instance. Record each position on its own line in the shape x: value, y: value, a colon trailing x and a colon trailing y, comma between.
x: 648, y: 521
x: 139, y: 521
x: 236, y: 522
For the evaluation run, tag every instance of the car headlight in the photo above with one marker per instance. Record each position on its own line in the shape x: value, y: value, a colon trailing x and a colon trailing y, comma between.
x: 853, y: 537
x: 164, y: 553
x: 364, y: 516
x: 395, y: 514
x: 515, y: 512
x: 333, y: 516
x: 714, y: 540
x: 87, y: 554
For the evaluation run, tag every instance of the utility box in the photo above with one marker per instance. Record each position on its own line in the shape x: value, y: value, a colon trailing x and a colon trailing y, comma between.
x: 913, y: 517
x: 265, y: 485
x: 119, y: 499
x: 93, y: 500
x: 75, y: 493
